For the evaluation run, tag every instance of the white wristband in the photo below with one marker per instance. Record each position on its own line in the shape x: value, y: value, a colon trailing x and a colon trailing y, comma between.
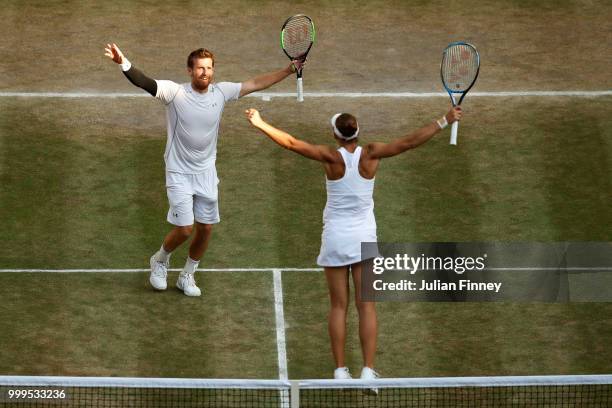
x: 442, y: 123
x: 126, y: 65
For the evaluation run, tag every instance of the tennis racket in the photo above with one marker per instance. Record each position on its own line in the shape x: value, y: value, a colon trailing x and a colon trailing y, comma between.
x: 297, y: 37
x: 459, y: 70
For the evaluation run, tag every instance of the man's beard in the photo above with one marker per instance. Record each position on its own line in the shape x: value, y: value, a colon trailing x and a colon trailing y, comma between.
x: 201, y: 84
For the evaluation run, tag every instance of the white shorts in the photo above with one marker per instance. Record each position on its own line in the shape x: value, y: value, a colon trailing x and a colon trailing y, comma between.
x: 193, y: 197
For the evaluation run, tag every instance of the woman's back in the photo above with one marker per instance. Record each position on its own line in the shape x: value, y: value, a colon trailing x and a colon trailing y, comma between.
x: 349, y: 198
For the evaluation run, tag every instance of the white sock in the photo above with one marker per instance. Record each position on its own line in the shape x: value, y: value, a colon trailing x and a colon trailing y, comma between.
x: 162, y: 255
x: 190, y: 266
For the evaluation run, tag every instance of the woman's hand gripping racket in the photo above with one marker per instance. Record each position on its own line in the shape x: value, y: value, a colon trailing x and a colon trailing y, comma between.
x: 459, y: 70
x: 297, y: 37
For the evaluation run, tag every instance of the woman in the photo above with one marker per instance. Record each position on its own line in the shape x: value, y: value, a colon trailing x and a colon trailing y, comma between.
x: 348, y: 218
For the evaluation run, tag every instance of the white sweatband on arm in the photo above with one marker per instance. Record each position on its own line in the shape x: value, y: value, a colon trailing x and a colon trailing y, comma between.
x: 126, y: 65
x: 442, y: 123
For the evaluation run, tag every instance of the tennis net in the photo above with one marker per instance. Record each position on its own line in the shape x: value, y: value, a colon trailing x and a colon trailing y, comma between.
x: 495, y: 392
x: 111, y: 392
x: 523, y: 391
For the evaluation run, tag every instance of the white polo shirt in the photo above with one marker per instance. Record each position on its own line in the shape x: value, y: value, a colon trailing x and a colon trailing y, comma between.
x: 193, y: 123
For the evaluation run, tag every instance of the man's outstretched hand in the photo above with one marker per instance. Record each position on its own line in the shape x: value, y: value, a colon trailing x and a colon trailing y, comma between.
x: 113, y: 52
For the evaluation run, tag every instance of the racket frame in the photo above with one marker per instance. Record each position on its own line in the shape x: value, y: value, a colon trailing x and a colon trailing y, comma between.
x: 298, y: 72
x: 451, y: 92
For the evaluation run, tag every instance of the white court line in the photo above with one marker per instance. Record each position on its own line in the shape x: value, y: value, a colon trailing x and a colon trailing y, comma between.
x: 171, y: 270
x: 527, y: 268
x: 279, y: 314
x: 570, y: 269
x: 281, y: 343
x: 270, y: 95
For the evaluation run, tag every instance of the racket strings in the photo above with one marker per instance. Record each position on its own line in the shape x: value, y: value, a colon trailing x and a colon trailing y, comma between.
x: 459, y: 67
x: 297, y: 36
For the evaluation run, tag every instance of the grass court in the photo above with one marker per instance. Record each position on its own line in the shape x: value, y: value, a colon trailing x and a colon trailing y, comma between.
x: 83, y: 185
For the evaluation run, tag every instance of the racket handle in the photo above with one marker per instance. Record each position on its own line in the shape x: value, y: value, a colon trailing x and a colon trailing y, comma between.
x: 300, y: 90
x: 454, y: 128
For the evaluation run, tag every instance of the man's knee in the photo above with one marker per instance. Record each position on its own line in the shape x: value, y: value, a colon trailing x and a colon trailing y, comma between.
x: 184, y: 231
x: 205, y: 229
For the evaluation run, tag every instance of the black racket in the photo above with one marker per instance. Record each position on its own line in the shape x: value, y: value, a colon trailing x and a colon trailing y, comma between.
x: 297, y: 37
x: 459, y: 70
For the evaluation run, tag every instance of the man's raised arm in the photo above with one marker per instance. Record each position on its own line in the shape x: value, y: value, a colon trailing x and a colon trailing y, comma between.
x: 135, y: 76
x: 267, y: 80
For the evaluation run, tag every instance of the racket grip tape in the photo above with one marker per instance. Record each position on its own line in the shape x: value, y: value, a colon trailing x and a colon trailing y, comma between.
x: 300, y: 90
x: 454, y: 127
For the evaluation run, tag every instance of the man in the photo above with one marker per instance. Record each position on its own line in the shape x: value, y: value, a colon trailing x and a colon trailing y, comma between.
x: 193, y: 113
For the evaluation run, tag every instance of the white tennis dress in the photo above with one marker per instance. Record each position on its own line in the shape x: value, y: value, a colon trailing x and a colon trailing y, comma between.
x: 348, y: 218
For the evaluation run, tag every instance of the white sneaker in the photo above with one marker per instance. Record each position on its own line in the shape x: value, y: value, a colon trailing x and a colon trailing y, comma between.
x: 186, y: 283
x: 159, y: 272
x: 368, y: 374
x: 342, y: 373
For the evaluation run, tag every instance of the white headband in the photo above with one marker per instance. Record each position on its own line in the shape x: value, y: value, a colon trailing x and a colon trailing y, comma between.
x: 338, y: 133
